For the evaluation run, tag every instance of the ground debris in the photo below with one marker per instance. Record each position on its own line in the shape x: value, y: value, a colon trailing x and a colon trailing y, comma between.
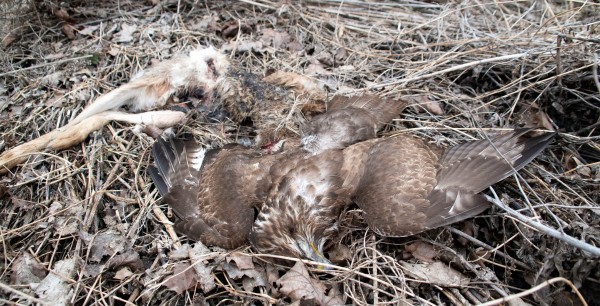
x: 300, y: 286
x: 469, y: 70
x: 56, y: 288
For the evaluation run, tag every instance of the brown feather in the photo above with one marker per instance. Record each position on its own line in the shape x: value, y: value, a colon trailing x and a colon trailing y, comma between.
x: 403, y: 184
x: 349, y: 120
x: 304, y: 199
x: 382, y: 109
x: 408, y: 186
x: 214, y: 194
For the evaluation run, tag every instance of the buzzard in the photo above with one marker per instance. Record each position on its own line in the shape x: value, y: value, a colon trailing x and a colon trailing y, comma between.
x: 287, y: 203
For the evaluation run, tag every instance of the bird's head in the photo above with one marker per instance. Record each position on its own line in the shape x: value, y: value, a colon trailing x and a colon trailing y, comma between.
x: 292, y: 236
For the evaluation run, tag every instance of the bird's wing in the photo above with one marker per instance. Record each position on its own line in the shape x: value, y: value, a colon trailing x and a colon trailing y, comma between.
x: 212, y: 192
x: 408, y: 186
x: 476, y: 165
x: 398, y: 174
x: 176, y: 173
x: 469, y: 168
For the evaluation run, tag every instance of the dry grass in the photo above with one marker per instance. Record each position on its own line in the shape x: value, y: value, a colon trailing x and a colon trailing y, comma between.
x: 486, y: 66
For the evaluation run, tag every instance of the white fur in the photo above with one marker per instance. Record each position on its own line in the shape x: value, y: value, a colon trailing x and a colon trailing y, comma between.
x: 179, y: 72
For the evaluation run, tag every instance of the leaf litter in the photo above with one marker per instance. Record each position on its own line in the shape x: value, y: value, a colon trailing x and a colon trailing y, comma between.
x: 94, y: 201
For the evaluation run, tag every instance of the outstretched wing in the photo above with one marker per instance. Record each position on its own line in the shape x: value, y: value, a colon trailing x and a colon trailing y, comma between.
x: 211, y: 192
x: 408, y: 186
x: 176, y: 173
x: 469, y: 168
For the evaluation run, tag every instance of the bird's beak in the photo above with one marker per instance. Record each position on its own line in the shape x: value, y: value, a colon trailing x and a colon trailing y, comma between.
x: 317, y: 256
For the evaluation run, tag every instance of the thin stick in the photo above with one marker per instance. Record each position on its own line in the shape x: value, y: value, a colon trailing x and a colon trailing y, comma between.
x: 453, y: 68
x: 23, y: 295
x: 46, y: 64
x: 489, y: 248
x: 167, y: 224
x: 534, y: 289
x: 584, y: 246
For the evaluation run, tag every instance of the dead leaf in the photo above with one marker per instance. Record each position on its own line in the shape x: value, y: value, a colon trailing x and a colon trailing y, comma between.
x: 479, y: 256
x: 315, y: 68
x: 437, y: 273
x: 231, y: 28
x: 61, y: 13
x: 129, y: 259
x: 66, y: 221
x: 252, y: 275
x: 203, y: 271
x: 114, y: 51
x: 56, y: 287
x: 93, y: 270
x: 341, y: 54
x: 180, y: 253
x: 242, y: 261
x: 57, y: 100
x: 340, y: 254
x: 107, y: 243
x: 298, y: 285
x: 326, y: 58
x: 182, y: 279
x: 243, y: 46
x: 21, y: 203
x: 272, y: 274
x: 26, y: 270
x: 69, y: 31
x: 276, y: 39
x: 208, y: 23
x: 345, y: 69
x: 88, y: 30
x: 126, y: 33
x: 295, y: 46
x: 422, y: 251
x: 469, y: 229
x: 9, y: 39
x: 561, y: 298
x: 257, y: 275
x: 534, y: 117
x: 123, y: 273
x: 52, y: 79
x: 423, y: 103
x: 54, y: 56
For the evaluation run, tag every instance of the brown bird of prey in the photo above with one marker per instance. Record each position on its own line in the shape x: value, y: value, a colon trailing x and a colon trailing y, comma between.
x: 288, y: 203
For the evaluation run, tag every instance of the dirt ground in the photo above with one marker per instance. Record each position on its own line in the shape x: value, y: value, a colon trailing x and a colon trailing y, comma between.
x: 85, y: 226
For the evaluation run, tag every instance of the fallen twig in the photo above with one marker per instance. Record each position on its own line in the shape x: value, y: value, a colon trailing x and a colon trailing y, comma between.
x: 584, y: 246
